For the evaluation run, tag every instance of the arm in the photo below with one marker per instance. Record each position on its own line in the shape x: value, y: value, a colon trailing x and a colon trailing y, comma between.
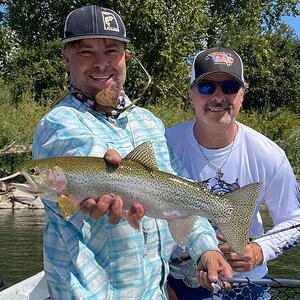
x: 62, y: 132
x: 282, y: 198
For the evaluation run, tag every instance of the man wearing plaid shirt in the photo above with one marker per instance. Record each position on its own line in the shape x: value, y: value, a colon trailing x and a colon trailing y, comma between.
x: 96, y: 254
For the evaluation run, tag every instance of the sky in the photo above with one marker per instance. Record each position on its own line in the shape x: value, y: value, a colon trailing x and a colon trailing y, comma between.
x: 294, y: 22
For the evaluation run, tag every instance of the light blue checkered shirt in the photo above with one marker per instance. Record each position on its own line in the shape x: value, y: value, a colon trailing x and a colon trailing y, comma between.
x: 88, y: 259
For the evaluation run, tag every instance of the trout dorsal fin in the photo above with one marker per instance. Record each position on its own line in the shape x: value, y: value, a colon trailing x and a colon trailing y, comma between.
x: 144, y: 154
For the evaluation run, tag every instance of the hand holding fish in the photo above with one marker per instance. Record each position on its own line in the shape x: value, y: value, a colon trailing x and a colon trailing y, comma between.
x: 111, y: 203
x: 253, y: 256
x: 212, y: 265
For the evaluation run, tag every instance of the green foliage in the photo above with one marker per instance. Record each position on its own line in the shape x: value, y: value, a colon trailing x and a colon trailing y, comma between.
x: 17, y: 122
x: 9, y: 162
x: 172, y: 115
x: 277, y: 125
x: 165, y: 36
x: 281, y: 126
x: 272, y: 71
x: 292, y: 145
x: 35, y: 20
x: 39, y: 71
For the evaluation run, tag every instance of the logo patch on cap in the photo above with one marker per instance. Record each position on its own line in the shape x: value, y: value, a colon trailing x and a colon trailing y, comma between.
x: 221, y: 58
x: 109, y: 21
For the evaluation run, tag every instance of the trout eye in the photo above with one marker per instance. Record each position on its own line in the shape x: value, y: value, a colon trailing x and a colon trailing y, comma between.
x: 33, y: 171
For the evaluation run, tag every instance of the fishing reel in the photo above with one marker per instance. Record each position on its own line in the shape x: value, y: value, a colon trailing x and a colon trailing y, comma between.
x: 187, y: 270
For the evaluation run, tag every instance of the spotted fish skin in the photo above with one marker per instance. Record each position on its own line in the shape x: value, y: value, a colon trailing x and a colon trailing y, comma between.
x: 137, y: 178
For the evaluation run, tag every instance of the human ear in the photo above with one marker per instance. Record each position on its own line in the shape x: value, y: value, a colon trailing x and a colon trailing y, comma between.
x: 128, y: 54
x: 65, y: 54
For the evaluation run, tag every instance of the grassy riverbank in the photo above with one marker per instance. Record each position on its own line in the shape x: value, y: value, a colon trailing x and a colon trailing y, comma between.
x: 18, y: 121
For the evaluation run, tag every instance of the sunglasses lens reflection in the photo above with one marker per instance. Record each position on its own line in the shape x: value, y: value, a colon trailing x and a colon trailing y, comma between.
x: 209, y: 87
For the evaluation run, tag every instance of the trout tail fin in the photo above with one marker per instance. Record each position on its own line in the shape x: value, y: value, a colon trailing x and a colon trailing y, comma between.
x: 236, y: 228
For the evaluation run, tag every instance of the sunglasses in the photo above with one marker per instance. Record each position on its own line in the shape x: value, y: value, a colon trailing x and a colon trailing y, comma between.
x: 208, y: 87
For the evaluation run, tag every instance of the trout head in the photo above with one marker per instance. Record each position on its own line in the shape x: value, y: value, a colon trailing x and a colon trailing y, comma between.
x: 42, y: 181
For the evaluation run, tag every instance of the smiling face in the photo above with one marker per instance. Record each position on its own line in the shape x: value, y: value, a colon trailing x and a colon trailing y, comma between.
x: 97, y: 65
x: 217, y: 109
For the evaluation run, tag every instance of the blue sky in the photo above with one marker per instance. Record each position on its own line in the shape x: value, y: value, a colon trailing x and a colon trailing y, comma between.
x: 294, y: 22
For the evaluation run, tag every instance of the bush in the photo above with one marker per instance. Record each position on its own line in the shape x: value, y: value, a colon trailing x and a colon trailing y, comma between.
x: 18, y: 121
x: 18, y: 124
x: 172, y: 115
x: 291, y: 145
x: 9, y: 162
x: 276, y: 125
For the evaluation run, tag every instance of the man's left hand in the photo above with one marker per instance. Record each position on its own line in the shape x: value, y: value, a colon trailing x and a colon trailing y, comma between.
x: 212, y: 264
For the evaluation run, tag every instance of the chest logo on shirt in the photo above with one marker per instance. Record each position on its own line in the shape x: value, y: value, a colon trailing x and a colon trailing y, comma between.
x: 220, y: 187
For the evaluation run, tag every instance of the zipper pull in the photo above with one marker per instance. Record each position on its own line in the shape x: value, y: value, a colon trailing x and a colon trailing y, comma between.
x: 145, y: 233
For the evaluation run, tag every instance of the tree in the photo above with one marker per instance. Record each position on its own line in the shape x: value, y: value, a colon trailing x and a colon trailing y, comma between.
x: 36, y: 70
x: 165, y: 34
x: 268, y: 48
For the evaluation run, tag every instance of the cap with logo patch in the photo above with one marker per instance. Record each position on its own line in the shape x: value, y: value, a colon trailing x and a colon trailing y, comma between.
x: 217, y: 60
x: 93, y: 21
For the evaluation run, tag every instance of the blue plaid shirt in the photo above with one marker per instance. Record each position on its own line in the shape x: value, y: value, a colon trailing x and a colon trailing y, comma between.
x: 88, y: 259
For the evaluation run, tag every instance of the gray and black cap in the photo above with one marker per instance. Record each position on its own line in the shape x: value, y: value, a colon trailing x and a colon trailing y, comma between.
x: 93, y: 21
x: 217, y: 60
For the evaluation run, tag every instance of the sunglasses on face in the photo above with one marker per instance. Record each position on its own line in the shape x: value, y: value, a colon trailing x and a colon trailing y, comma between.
x: 208, y: 87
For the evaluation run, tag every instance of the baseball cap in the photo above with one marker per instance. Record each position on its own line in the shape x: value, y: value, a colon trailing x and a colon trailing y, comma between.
x: 217, y: 60
x: 93, y: 21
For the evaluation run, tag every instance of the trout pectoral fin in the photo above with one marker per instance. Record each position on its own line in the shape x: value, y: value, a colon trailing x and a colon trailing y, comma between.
x: 181, y: 228
x: 66, y: 206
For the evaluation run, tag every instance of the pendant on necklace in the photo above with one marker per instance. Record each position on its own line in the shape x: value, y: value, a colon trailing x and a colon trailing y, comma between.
x: 219, y: 174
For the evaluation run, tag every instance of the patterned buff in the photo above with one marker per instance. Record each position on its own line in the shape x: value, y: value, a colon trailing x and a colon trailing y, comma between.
x: 93, y: 104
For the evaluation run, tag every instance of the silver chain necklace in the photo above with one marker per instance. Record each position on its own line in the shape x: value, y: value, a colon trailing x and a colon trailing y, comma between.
x: 219, y: 173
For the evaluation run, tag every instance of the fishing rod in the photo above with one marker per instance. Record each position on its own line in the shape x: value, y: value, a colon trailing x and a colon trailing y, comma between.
x: 274, y: 232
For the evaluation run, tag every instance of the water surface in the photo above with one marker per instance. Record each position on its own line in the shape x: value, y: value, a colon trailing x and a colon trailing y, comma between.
x: 21, y: 238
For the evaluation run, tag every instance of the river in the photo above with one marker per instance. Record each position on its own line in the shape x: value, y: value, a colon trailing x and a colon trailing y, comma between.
x: 21, y: 238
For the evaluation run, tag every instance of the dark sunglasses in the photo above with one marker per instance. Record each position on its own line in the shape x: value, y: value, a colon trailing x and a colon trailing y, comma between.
x: 208, y: 87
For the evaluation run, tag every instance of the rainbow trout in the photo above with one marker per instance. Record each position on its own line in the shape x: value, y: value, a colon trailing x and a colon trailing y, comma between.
x: 69, y: 180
